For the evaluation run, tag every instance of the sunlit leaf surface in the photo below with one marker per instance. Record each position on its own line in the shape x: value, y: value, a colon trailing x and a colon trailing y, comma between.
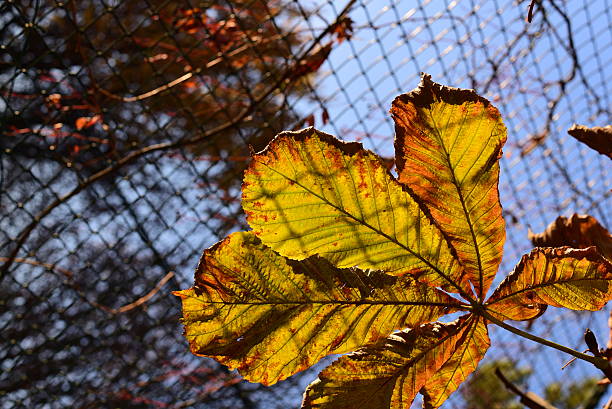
x: 447, y: 146
x: 309, y: 193
x: 578, y: 279
x: 254, y: 310
x: 388, y: 375
x: 470, y: 350
x: 342, y: 255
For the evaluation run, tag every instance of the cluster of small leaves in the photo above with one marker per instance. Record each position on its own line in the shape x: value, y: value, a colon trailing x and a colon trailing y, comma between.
x: 342, y: 255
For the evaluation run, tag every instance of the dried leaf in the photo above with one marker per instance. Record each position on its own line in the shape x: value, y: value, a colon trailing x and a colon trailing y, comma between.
x: 343, y: 29
x: 447, y: 146
x: 579, y: 231
x: 598, y: 138
x: 270, y: 317
x: 578, y: 279
x: 312, y: 62
x: 310, y: 120
x: 324, y: 117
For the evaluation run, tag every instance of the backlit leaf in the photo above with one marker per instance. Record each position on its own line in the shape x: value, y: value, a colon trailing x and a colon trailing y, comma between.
x: 342, y: 254
x: 578, y: 231
x: 270, y: 317
x: 388, y: 375
x: 470, y: 349
x: 447, y: 145
x: 308, y: 193
x: 578, y: 279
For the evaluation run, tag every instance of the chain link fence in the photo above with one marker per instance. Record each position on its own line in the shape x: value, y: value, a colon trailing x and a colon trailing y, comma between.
x: 126, y: 126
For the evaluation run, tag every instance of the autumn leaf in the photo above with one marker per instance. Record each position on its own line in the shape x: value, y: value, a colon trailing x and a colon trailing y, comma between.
x: 470, y: 349
x: 271, y: 317
x: 342, y: 255
x: 598, y: 137
x: 312, y: 62
x: 342, y: 29
x: 388, y: 375
x: 447, y: 146
x: 578, y: 279
x: 87, y: 121
x: 308, y: 193
x: 578, y: 231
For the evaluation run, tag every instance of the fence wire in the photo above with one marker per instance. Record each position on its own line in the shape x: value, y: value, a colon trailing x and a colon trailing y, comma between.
x: 126, y: 126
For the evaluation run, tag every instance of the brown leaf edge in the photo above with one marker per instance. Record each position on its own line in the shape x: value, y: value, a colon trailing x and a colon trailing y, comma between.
x: 424, y: 95
x: 577, y: 231
x: 598, y: 138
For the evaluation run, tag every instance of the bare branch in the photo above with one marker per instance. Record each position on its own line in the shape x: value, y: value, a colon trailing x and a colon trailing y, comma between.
x: 142, y: 299
x: 131, y: 157
x: 69, y: 275
x: 529, y: 399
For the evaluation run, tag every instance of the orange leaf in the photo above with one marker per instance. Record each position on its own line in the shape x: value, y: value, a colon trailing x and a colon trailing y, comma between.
x: 470, y: 350
x: 87, y: 121
x: 447, y: 147
x: 578, y: 279
x: 387, y: 375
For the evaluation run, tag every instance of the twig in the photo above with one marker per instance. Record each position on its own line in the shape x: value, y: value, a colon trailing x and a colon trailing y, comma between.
x: 151, y: 93
x: 529, y: 399
x: 599, y: 362
x: 37, y: 263
x: 142, y: 299
x: 591, y: 341
x: 530, y: 11
x: 180, y: 79
x: 70, y: 275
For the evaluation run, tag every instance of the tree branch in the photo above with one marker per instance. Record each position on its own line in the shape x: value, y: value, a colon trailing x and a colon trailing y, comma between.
x: 529, y: 399
x: 131, y: 157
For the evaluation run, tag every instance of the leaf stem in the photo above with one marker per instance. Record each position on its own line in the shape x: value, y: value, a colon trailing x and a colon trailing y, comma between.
x: 600, y: 363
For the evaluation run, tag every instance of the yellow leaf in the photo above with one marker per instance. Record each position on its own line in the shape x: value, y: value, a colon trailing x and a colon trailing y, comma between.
x: 308, y: 193
x: 388, y: 375
x: 270, y: 317
x: 470, y: 349
x: 578, y: 279
x: 447, y: 146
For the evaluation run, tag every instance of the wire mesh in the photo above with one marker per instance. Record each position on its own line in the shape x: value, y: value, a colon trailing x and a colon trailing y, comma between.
x: 126, y: 127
